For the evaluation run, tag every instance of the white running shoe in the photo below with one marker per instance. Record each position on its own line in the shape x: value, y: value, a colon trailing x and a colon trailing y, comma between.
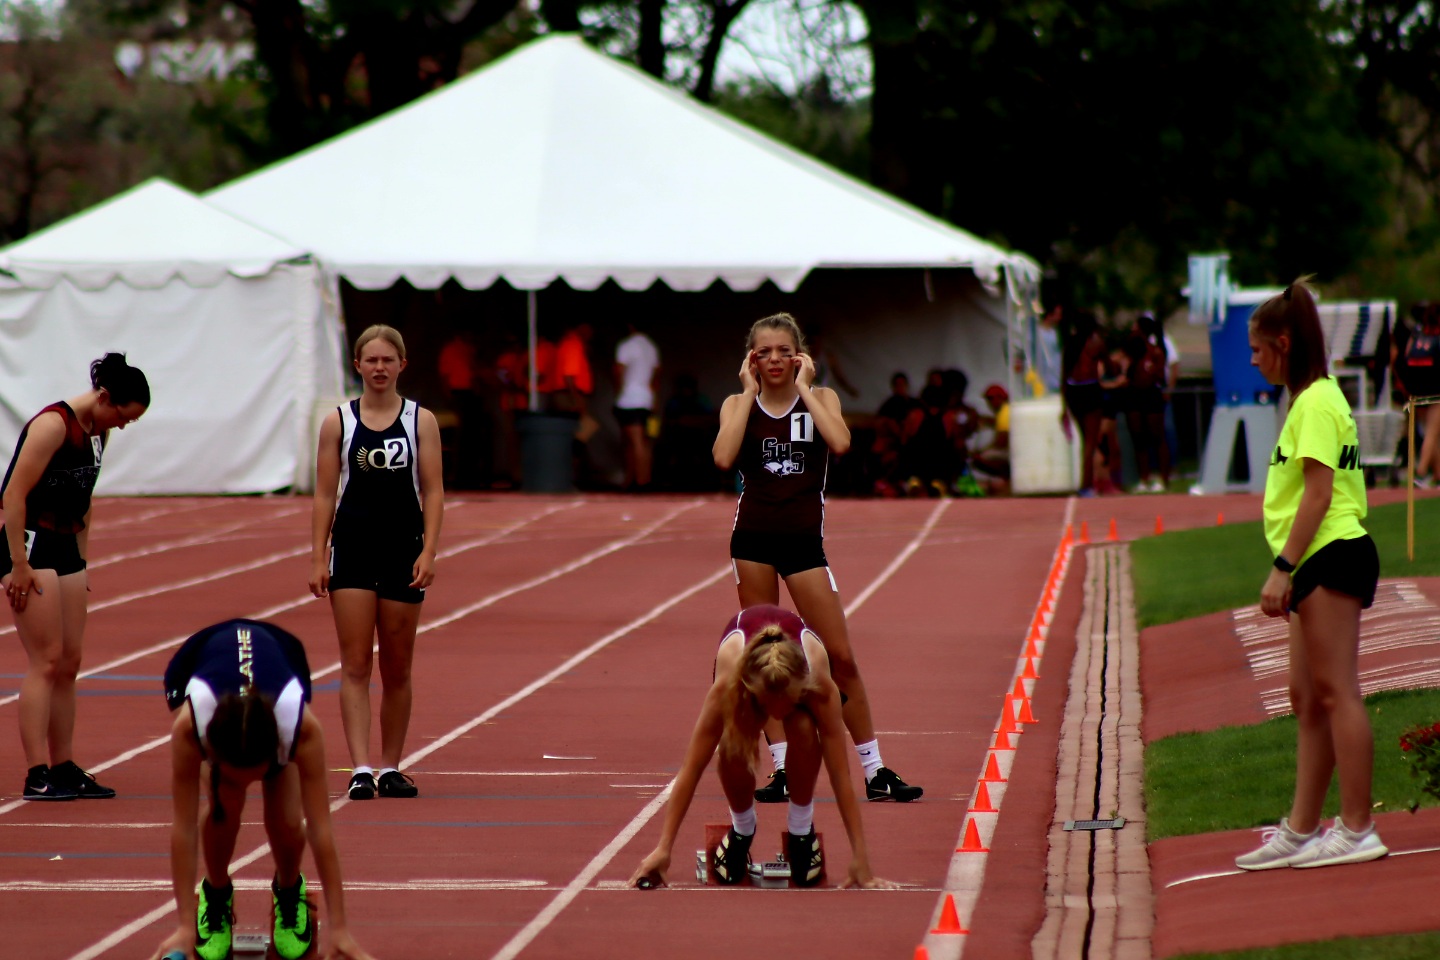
x: 1340, y: 845
x: 1281, y: 848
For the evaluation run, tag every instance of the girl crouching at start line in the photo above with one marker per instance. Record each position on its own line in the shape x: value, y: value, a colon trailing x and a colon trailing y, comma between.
x: 770, y: 665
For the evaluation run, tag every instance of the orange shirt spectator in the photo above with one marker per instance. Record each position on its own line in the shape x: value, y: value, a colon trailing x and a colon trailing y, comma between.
x: 572, y: 363
x: 457, y: 363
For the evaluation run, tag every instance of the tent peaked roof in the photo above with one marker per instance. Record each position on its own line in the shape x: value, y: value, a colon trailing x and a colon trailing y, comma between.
x: 146, y: 236
x: 559, y: 162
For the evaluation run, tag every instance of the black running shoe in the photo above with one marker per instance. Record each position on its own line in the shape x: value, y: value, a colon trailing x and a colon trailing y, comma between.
x: 362, y: 786
x: 776, y: 791
x: 40, y: 785
x: 69, y: 775
x: 395, y: 784
x: 732, y: 858
x: 886, y: 785
x: 807, y: 865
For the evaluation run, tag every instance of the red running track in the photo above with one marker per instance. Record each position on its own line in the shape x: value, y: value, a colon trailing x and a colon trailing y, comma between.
x: 565, y: 650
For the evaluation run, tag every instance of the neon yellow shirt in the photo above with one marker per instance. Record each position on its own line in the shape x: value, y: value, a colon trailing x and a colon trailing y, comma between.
x: 1002, y: 419
x: 1318, y: 427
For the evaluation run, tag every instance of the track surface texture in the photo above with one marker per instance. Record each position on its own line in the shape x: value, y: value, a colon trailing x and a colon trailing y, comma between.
x: 564, y: 652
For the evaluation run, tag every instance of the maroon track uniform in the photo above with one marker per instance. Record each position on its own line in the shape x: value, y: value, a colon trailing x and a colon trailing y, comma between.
x: 55, y: 509
x: 783, y: 462
x: 752, y: 620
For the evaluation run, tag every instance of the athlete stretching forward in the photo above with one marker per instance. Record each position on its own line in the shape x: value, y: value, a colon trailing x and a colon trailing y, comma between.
x: 779, y: 432
x: 240, y: 691
x: 770, y: 667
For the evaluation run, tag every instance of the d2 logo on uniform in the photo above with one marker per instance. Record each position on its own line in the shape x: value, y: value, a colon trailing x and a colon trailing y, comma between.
x: 394, y: 455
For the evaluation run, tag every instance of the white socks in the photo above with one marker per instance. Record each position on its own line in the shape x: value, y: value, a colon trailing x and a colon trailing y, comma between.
x: 744, y: 822
x: 800, y: 819
x: 869, y: 754
x: 385, y: 770
x: 777, y: 755
x: 362, y: 770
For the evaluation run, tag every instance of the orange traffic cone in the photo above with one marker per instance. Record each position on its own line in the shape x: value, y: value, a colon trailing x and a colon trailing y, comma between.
x: 1084, y: 531
x: 1007, y: 716
x: 1002, y: 741
x: 1029, y: 673
x: 949, y: 919
x: 982, y: 802
x: 1069, y: 535
x: 1020, y: 693
x: 992, y: 771
x: 1114, y: 533
x: 1025, y: 715
x: 921, y: 953
x: 1030, y: 649
x: 971, y: 843
x: 1220, y: 519
x: 1159, y: 525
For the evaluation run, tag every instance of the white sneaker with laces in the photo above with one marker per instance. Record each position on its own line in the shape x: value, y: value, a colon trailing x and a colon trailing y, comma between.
x: 1281, y: 847
x: 1340, y: 845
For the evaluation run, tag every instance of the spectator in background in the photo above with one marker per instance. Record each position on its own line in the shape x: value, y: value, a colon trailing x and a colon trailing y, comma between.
x: 637, y: 372
x: 993, y: 459
x: 512, y: 372
x: 1149, y: 373
x: 1083, y: 349
x: 890, y: 435
x: 1046, y: 362
x: 457, y: 368
x: 574, y: 383
x: 1415, y: 354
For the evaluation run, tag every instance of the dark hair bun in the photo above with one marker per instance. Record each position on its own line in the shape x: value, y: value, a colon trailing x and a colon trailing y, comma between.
x: 124, y: 383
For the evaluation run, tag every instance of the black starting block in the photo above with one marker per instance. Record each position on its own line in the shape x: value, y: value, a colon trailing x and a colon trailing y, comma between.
x: 769, y: 874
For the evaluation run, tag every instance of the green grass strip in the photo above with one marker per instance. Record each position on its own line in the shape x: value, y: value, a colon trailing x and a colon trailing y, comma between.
x: 1241, y: 777
x: 1191, y: 573
x: 1412, y: 946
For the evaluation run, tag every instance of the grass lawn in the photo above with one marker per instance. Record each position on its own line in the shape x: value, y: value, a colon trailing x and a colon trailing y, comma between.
x: 1240, y: 777
x: 1220, y: 568
x: 1415, y: 946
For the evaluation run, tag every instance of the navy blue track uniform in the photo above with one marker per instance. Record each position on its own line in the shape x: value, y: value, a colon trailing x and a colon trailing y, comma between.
x: 379, y: 528
x: 230, y: 656
x: 55, y: 509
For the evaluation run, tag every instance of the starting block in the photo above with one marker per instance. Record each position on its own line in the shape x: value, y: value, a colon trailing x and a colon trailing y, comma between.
x: 769, y: 874
x: 250, y: 944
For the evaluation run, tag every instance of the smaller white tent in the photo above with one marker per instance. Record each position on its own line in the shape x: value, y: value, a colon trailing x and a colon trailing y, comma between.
x: 236, y: 330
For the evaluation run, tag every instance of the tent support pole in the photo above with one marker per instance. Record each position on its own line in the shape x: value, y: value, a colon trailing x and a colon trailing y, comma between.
x: 532, y: 339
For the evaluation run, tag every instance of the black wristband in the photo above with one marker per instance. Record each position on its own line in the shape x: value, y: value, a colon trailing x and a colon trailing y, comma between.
x: 1283, y: 565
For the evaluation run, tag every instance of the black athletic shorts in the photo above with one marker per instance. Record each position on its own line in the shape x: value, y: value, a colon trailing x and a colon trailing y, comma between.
x: 46, y: 550
x: 384, y: 564
x: 787, y: 552
x: 1346, y: 566
x: 1083, y: 399
x: 631, y: 416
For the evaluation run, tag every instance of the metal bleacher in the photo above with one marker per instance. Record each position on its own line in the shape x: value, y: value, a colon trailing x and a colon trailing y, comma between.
x: 1352, y: 335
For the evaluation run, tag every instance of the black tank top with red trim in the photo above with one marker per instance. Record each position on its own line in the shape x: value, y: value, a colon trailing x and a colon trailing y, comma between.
x: 783, y: 462
x: 61, y: 497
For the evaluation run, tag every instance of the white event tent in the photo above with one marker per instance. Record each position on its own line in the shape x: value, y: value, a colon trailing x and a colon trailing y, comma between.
x: 557, y: 162
x: 237, y: 331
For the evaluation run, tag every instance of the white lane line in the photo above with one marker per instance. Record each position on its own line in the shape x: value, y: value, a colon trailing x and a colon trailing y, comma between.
x: 966, y: 874
x: 269, y: 612
x: 140, y: 923
x: 152, y: 886
x: 209, y: 536
x: 159, y: 512
x: 553, y: 909
x: 582, y: 879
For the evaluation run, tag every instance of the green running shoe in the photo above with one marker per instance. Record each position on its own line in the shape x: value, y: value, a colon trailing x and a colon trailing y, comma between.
x: 214, y: 922
x: 294, y: 926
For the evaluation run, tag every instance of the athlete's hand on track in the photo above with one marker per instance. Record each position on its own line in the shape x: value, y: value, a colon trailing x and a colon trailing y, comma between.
x: 651, y: 871
x: 320, y: 581
x: 1275, y: 595
x: 18, y: 584
x: 750, y: 373
x: 423, y: 573
x: 344, y: 947
x: 182, y: 941
x: 806, y: 370
x: 862, y: 879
